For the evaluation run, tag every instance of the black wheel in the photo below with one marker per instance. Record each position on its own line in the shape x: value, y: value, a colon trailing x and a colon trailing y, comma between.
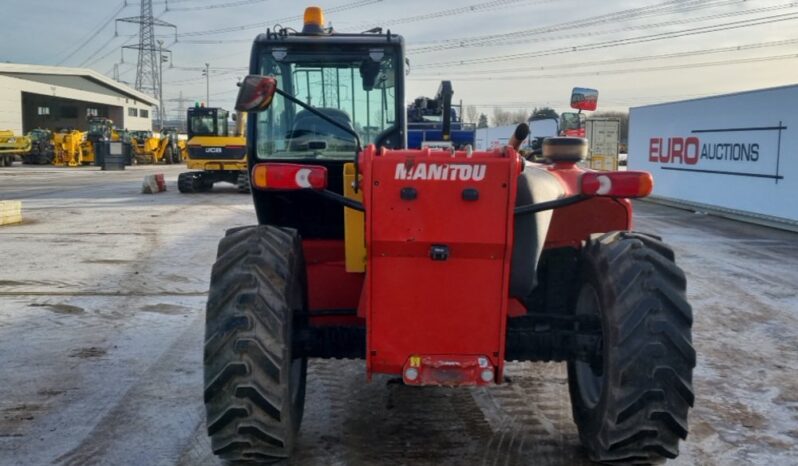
x: 203, y: 183
x: 254, y: 385
x: 630, y: 403
x: 176, y: 155
x: 167, y: 155
x: 185, y: 182
x: 242, y: 182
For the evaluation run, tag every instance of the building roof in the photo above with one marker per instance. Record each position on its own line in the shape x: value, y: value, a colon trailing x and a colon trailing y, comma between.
x: 63, y: 76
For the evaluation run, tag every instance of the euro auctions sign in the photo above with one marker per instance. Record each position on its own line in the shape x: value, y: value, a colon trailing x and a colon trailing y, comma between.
x: 735, y: 152
x: 754, y: 152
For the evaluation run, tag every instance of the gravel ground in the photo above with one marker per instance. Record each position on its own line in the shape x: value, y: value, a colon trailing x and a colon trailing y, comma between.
x: 102, y: 292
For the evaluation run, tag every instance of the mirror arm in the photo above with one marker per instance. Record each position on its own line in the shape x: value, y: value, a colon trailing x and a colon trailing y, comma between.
x: 333, y: 196
x: 331, y: 121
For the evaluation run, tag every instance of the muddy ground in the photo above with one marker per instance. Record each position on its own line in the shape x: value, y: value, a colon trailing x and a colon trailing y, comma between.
x: 102, y: 292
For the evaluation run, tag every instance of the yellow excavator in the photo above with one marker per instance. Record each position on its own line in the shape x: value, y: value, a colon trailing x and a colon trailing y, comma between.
x: 214, y: 154
x: 11, y: 146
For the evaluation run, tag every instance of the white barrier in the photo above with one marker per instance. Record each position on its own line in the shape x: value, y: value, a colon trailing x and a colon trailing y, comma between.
x: 737, y: 152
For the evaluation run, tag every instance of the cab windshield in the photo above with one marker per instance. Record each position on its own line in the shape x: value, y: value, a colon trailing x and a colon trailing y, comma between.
x: 356, y: 88
x: 97, y: 127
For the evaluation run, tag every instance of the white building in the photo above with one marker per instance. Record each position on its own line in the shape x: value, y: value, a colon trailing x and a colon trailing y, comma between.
x: 54, y: 97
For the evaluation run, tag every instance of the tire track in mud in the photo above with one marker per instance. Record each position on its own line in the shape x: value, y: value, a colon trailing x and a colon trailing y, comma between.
x: 351, y: 422
x: 144, y: 425
x: 531, y: 417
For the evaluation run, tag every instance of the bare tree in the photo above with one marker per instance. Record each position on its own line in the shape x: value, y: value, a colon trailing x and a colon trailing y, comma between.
x: 503, y: 117
x: 471, y: 114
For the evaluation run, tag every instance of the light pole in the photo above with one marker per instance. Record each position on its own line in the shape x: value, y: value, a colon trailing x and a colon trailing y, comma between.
x: 207, y: 73
x: 160, y: 85
x: 161, y: 59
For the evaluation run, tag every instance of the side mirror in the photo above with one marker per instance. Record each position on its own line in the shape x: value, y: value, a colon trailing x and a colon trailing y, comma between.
x: 583, y: 98
x: 256, y: 93
x: 368, y: 72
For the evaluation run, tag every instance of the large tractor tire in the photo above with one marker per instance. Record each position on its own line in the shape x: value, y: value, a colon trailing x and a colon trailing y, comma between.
x: 168, y: 158
x: 176, y: 158
x: 254, y: 384
x: 630, y: 405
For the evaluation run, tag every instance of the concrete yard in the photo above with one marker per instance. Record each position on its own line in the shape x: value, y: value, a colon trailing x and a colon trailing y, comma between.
x: 102, y: 295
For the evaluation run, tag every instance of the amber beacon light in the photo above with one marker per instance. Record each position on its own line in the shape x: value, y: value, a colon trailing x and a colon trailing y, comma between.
x: 314, y: 20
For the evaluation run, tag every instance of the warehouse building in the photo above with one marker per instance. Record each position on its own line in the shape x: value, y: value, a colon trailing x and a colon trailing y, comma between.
x: 52, y: 97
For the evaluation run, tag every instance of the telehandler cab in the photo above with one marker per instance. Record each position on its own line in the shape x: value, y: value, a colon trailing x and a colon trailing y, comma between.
x: 434, y: 265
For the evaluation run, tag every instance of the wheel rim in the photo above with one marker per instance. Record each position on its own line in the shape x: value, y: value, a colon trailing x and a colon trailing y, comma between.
x: 590, y: 381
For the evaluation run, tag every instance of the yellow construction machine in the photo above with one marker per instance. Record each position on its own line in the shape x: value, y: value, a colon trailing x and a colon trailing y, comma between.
x: 100, y: 129
x: 150, y: 149
x: 68, y: 148
x: 214, y: 154
x: 11, y: 146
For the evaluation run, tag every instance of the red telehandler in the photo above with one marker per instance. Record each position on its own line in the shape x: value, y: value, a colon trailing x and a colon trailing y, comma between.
x: 434, y: 265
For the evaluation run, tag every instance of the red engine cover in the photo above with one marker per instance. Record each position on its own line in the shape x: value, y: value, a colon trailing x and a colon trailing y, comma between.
x: 439, y: 236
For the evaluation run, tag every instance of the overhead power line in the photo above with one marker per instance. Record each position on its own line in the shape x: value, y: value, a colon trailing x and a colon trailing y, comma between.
x: 541, y: 37
x: 347, y: 6
x: 664, y: 8
x: 409, y: 19
x: 615, y: 61
x: 647, y: 69
x: 92, y: 35
x: 619, y: 42
x: 473, y: 8
x: 215, y: 6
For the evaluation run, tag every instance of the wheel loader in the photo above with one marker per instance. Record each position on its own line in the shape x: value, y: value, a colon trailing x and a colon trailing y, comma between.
x: 435, y: 266
x: 214, y: 153
x: 148, y: 149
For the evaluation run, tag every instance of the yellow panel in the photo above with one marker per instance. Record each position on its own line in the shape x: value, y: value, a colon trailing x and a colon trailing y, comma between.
x: 10, y: 212
x: 354, y: 225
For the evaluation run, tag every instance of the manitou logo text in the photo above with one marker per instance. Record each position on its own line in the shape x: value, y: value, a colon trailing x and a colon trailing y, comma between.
x: 440, y: 172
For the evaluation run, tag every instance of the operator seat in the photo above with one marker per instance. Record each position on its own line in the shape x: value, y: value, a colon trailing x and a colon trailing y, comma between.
x: 535, y: 185
x: 309, y: 127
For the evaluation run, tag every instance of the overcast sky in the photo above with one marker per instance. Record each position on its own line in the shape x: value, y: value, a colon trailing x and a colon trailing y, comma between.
x: 507, y: 53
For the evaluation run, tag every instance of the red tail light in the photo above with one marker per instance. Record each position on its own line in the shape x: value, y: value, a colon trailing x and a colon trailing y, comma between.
x: 617, y: 184
x: 288, y: 176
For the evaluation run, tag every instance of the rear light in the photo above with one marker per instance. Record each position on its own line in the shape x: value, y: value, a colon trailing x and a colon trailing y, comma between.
x: 617, y: 184
x: 289, y: 176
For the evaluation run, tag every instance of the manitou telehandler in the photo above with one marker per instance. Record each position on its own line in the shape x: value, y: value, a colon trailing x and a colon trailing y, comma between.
x: 433, y: 265
x: 214, y: 153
